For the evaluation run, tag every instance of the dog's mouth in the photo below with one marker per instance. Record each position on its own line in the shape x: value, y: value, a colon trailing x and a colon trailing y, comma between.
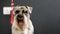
x: 20, y: 19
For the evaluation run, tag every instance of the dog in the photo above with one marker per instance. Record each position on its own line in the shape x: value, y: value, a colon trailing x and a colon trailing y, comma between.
x: 22, y: 23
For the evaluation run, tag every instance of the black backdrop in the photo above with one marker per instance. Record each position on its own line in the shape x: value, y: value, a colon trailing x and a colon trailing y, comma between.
x: 45, y: 16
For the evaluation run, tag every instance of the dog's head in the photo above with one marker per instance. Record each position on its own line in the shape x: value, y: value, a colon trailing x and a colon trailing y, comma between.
x: 20, y: 11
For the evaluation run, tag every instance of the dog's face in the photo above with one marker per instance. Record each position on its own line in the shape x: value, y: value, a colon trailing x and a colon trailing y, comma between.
x: 20, y: 11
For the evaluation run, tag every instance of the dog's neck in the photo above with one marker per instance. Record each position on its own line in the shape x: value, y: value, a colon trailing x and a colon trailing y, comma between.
x: 21, y: 27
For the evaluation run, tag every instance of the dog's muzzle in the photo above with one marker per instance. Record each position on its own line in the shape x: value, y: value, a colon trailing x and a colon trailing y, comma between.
x: 20, y: 19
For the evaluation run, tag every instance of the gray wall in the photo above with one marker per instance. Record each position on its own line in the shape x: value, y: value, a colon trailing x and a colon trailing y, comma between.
x: 54, y: 16
x: 45, y: 16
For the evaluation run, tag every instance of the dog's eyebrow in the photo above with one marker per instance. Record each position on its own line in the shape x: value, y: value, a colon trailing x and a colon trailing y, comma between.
x: 21, y: 7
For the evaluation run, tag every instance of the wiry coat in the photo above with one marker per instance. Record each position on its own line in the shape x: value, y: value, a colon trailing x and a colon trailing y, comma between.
x: 28, y: 26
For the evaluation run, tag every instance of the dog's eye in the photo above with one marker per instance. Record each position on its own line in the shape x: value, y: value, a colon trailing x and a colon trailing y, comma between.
x: 17, y: 11
x: 24, y: 11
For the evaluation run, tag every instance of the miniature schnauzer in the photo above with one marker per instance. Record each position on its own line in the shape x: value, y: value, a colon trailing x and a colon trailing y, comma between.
x: 22, y: 23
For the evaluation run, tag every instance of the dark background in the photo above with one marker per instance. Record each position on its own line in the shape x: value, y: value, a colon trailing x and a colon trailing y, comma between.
x: 45, y: 16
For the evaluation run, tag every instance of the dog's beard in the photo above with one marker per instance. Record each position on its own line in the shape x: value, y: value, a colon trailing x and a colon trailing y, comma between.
x: 20, y: 21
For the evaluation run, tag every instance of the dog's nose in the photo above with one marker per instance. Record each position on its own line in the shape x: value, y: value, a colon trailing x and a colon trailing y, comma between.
x: 20, y: 16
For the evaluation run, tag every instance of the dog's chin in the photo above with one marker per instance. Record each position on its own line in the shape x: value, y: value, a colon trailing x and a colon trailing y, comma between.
x: 20, y: 21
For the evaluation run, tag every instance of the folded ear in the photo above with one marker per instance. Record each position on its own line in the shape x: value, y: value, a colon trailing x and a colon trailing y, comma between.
x: 30, y: 9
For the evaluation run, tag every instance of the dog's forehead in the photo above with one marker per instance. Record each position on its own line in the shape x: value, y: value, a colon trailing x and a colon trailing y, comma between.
x: 20, y: 8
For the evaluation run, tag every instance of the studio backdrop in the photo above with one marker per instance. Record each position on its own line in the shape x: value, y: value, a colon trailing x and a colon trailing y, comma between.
x: 45, y: 16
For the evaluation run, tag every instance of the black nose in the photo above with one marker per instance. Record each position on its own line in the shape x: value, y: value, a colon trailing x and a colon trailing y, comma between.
x: 20, y: 16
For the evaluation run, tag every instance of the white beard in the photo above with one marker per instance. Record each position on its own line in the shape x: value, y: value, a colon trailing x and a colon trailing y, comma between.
x: 28, y: 27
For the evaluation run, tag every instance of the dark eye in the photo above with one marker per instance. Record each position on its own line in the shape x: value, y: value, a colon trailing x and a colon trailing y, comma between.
x: 17, y: 11
x: 24, y: 11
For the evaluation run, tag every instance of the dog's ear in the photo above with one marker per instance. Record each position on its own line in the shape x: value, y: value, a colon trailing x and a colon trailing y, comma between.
x: 30, y: 9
